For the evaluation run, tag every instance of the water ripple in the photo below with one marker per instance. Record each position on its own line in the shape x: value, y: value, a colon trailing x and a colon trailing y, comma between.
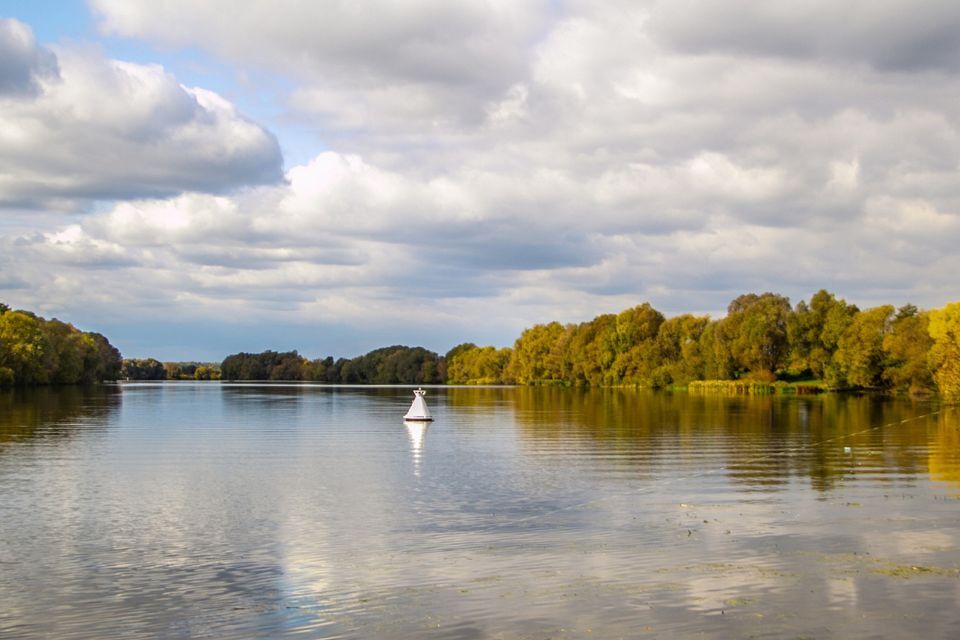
x: 276, y: 511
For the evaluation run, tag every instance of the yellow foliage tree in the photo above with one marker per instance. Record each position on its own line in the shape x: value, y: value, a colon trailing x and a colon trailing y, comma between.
x: 945, y: 355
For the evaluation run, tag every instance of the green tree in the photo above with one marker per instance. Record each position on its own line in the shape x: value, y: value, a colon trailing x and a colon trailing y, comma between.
x: 37, y: 351
x: 679, y: 344
x: 67, y: 348
x: 286, y: 366
x: 408, y: 365
x: 592, y: 350
x: 143, y: 369
x: 907, y: 352
x: 636, y: 366
x: 859, y: 360
x: 319, y: 370
x: 205, y: 372
x: 451, y: 356
x: 102, y: 361
x: 268, y: 365
x: 634, y: 349
x: 715, y: 348
x: 25, y: 348
x: 814, y: 331
x: 756, y: 328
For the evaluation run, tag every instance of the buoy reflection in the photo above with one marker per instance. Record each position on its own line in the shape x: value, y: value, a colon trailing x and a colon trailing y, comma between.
x: 417, y: 432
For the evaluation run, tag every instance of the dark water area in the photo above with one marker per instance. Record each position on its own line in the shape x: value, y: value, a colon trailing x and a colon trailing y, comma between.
x: 210, y: 510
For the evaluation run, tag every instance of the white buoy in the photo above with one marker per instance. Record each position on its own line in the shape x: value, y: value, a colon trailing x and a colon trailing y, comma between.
x: 418, y: 410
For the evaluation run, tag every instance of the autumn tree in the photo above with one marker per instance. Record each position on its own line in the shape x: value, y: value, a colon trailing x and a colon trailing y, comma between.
x: 637, y: 325
x: 470, y: 364
x: 538, y: 354
x: 635, y: 349
x: 205, y: 372
x: 591, y: 351
x: 35, y: 351
x: 679, y: 346
x: 24, y: 348
x: 907, y: 351
x: 173, y: 371
x: 944, y: 328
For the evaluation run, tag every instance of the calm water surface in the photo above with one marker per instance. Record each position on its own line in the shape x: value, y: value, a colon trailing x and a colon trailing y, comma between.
x: 244, y: 511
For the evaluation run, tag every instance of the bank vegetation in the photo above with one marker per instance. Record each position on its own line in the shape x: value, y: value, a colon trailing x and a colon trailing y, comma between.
x: 37, y: 351
x: 763, y: 345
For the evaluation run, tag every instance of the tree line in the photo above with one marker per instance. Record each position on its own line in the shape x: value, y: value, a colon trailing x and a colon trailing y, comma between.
x: 35, y: 351
x: 389, y: 365
x: 153, y: 369
x: 761, y: 338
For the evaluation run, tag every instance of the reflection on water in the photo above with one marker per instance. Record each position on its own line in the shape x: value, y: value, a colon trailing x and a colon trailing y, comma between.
x: 418, y: 432
x: 760, y: 441
x: 51, y: 412
x: 944, y: 457
x: 208, y: 510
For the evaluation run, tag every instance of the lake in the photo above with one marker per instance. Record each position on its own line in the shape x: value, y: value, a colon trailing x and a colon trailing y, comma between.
x: 209, y: 510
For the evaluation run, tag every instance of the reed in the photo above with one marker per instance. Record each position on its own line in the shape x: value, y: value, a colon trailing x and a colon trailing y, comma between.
x: 751, y: 387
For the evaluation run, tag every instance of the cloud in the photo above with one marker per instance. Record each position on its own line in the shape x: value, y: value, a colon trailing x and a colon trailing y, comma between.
x: 894, y: 35
x: 491, y: 165
x: 77, y: 127
x: 364, y: 65
x: 23, y: 63
x: 344, y: 243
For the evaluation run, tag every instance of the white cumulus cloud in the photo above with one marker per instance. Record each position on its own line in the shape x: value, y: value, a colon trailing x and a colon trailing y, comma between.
x: 488, y: 165
x: 76, y: 126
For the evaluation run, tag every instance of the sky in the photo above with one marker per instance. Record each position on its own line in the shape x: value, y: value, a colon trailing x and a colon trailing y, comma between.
x: 194, y: 179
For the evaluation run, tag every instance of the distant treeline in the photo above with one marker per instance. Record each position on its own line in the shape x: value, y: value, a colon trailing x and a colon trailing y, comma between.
x: 152, y: 369
x: 761, y: 338
x: 389, y: 365
x: 36, y: 351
